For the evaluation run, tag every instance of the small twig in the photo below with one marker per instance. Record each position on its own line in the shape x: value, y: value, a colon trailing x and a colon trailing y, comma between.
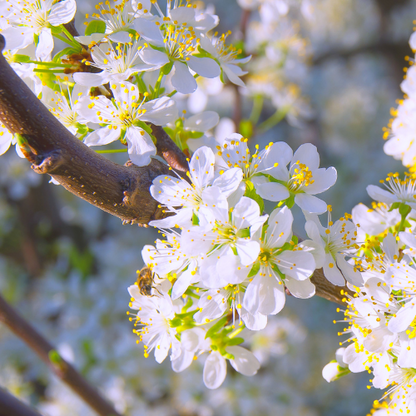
x: 167, y: 149
x: 11, y: 406
x: 48, y: 354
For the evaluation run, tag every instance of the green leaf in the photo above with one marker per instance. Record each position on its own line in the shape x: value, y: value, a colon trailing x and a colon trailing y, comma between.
x: 95, y: 26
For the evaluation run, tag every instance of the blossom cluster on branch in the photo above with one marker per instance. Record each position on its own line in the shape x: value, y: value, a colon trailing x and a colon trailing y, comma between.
x: 227, y: 256
x: 380, y: 315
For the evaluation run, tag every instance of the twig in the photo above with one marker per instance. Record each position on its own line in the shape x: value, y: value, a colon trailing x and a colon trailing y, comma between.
x: 47, y: 353
x: 11, y: 406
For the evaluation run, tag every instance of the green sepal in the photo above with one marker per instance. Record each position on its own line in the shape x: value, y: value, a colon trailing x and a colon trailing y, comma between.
x: 167, y: 68
x: 254, y: 270
x: 21, y: 58
x: 194, y: 134
x: 95, y: 26
x: 212, y: 331
x: 21, y: 141
x: 55, y: 30
x: 395, y: 205
x: 404, y: 210
x: 289, y: 202
x: 243, y: 233
x: 277, y: 271
x: 234, y: 250
x: 82, y: 128
x: 195, y: 219
x: 295, y: 239
x: 235, y: 341
x: 251, y: 193
x: 144, y: 126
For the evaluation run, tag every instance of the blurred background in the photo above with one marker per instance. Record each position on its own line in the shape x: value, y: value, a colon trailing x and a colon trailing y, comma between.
x: 330, y: 72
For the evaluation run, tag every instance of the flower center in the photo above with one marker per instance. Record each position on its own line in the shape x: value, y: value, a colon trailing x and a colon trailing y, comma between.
x: 301, y: 177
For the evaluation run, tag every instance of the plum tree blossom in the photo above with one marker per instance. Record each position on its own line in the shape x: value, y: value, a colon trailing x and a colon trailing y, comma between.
x: 226, y: 256
x: 123, y: 119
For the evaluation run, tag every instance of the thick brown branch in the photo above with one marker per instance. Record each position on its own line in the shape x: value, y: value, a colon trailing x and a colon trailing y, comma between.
x: 61, y: 368
x: 122, y: 191
x: 327, y: 290
x: 10, y: 405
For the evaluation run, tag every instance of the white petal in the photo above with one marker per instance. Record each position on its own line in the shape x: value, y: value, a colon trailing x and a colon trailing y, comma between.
x: 300, y: 289
x: 265, y: 295
x: 102, y: 136
x: 153, y: 57
x: 183, y: 361
x: 215, y: 370
x: 201, y: 167
x: 299, y: 265
x: 206, y: 67
x: 89, y: 80
x: 160, y: 111
x: 307, y: 154
x: 203, y: 121
x: 323, y: 180
x: 310, y: 203
x: 272, y: 191
x: 404, y: 317
x: 45, y: 44
x: 332, y: 272
x: 62, y: 12
x: 279, y: 227
x: 382, y: 195
x: 244, y: 361
x: 149, y: 30
x: 253, y: 321
x: 353, y: 276
x: 182, y: 80
x: 141, y: 146
x: 229, y: 181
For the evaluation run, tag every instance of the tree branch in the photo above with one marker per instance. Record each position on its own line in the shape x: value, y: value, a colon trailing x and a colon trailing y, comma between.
x: 10, y: 405
x: 327, y: 290
x: 122, y: 191
x: 47, y: 353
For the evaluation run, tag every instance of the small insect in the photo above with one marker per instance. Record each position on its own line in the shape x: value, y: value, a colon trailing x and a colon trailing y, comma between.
x: 145, y: 280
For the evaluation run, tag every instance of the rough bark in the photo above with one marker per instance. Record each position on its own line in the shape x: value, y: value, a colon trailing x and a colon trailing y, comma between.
x: 122, y: 191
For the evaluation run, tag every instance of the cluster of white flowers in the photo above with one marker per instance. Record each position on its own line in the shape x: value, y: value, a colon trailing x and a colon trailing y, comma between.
x: 401, y: 143
x: 380, y: 312
x: 221, y: 265
x: 144, y: 57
